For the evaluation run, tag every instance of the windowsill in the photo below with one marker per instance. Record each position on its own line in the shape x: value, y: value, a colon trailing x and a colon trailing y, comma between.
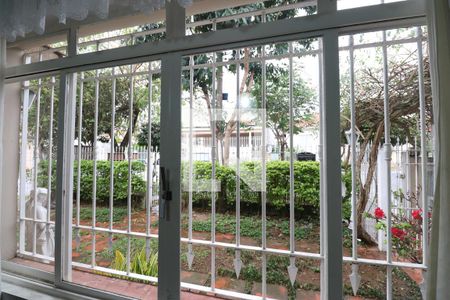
x: 30, y: 289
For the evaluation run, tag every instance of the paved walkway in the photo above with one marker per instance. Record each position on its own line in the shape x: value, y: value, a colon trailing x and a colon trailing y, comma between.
x: 146, y: 291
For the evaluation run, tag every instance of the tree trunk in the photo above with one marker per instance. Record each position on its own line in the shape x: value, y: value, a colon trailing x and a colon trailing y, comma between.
x: 232, y: 123
x: 221, y: 152
x: 126, y: 139
x: 219, y: 107
x: 227, y: 142
x: 282, y: 150
x: 226, y: 147
x: 347, y: 156
x: 364, y: 191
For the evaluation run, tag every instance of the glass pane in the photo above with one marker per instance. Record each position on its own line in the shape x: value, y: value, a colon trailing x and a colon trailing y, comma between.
x: 116, y: 179
x: 40, y: 49
x: 346, y: 4
x: 225, y: 15
x: 386, y: 195
x: 250, y: 120
x: 126, y: 26
x: 37, y: 169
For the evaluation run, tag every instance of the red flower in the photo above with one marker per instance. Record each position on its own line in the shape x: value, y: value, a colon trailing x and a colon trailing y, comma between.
x: 379, y: 213
x: 417, y: 214
x: 398, y: 233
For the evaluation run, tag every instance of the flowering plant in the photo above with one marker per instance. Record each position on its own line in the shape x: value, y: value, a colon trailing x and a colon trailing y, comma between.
x: 406, y: 231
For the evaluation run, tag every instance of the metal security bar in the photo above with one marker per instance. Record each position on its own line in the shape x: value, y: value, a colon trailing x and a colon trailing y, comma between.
x: 355, y: 260
x: 36, y: 228
x: 264, y: 178
x: 237, y: 247
x: 252, y: 14
x: 213, y: 174
x: 121, y: 40
x: 145, y: 74
x: 236, y: 114
x: 388, y: 153
x: 94, y: 177
x: 406, y: 168
x: 237, y: 260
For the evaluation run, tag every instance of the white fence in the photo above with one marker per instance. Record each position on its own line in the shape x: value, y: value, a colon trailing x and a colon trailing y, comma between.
x: 406, y: 181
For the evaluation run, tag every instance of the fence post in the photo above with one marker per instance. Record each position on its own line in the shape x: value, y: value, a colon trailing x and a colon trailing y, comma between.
x: 382, y: 194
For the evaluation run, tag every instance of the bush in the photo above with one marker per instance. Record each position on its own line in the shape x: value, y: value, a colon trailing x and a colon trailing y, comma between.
x: 346, y: 203
x: 139, y: 263
x: 306, y: 186
x: 138, y: 184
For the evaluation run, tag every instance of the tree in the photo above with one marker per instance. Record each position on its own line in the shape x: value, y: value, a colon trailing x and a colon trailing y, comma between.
x: 369, y: 103
x: 122, y: 107
x: 142, y: 138
x: 277, y: 103
x: 203, y: 77
x: 45, y: 116
x: 122, y: 100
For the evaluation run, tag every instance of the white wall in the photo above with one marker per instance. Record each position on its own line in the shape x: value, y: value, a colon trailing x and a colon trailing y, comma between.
x: 10, y: 170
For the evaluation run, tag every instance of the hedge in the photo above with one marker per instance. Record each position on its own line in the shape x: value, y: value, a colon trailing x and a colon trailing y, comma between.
x: 306, y: 185
x: 138, y: 184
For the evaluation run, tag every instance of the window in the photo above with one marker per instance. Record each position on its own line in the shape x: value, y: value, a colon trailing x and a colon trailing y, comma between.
x: 37, y: 184
x: 378, y: 69
x: 243, y: 15
x: 39, y: 50
x: 122, y: 37
x: 244, y: 135
x: 244, y: 222
x: 346, y: 4
x: 116, y: 174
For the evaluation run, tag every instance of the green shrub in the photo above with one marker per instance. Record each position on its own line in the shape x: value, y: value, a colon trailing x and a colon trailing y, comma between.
x: 251, y: 226
x: 346, y: 203
x: 138, y: 263
x: 138, y: 184
x: 306, y: 185
x: 102, y: 213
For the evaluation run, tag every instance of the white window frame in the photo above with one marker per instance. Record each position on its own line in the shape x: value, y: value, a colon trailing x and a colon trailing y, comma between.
x: 328, y: 24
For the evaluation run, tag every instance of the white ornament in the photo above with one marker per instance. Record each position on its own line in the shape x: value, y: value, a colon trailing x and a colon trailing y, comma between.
x: 44, y: 233
x: 292, y: 270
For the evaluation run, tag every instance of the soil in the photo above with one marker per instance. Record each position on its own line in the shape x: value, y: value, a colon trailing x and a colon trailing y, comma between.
x: 373, y: 278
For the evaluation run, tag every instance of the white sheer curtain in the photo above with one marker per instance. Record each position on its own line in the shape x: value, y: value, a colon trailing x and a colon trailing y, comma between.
x: 438, y: 281
x: 19, y: 17
x: 2, y: 111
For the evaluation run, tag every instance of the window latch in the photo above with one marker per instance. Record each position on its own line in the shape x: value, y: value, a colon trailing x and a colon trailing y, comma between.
x: 166, y: 193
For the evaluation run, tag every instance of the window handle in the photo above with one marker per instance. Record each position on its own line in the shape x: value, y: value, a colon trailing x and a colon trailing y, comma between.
x: 166, y: 193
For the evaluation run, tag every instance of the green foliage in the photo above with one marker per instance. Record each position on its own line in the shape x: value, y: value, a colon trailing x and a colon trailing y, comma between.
x: 203, y: 77
x: 277, y: 103
x: 237, y: 22
x: 142, y: 138
x: 102, y: 213
x: 251, y: 226
x: 121, y: 109
x: 306, y: 186
x: 46, y: 119
x: 139, y: 264
x: 277, y: 270
x: 346, y: 204
x: 251, y: 273
x: 406, y: 230
x: 138, y: 184
x: 347, y: 237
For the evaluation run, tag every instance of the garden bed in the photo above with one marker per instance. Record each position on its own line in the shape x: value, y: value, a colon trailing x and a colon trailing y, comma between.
x: 373, y: 278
